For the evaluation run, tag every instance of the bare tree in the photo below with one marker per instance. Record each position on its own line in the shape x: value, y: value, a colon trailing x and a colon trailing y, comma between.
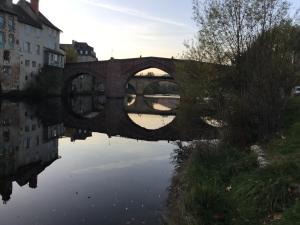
x: 253, y: 40
x: 227, y: 28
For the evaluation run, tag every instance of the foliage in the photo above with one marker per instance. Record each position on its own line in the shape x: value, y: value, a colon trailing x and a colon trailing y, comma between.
x: 253, y: 44
x: 49, y: 82
x: 223, y: 185
x: 71, y: 54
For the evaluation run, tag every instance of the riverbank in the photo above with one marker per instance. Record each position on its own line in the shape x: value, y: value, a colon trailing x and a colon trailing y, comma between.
x: 218, y: 184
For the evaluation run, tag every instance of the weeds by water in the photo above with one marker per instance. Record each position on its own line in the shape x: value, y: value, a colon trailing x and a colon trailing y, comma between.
x: 219, y: 184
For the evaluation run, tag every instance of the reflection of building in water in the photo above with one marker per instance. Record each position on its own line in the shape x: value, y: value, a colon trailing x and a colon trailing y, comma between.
x: 77, y: 134
x: 26, y: 148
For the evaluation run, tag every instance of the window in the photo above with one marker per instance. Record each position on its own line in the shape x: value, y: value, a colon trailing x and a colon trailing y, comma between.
x: 33, y: 64
x: 27, y: 47
x: 28, y: 142
x: 2, y: 40
x: 38, y: 49
x: 27, y: 29
x: 27, y: 62
x: 6, y: 135
x: 38, y: 33
x: 37, y: 140
x: 11, y: 24
x: 1, y: 22
x: 6, y: 56
x: 26, y: 128
x: 6, y: 70
x: 81, y: 52
x: 55, y: 58
x: 86, y: 52
x: 11, y: 40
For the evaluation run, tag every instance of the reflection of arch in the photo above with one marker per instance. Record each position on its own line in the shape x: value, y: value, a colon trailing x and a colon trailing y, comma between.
x: 139, y: 105
x: 129, y: 100
x: 157, y: 121
x: 95, y: 113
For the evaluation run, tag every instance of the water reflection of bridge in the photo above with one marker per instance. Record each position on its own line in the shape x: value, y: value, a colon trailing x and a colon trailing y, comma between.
x: 142, y: 105
x: 113, y: 120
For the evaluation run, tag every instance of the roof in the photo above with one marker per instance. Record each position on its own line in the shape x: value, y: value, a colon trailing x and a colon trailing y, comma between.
x: 82, y: 46
x: 7, y: 9
x: 23, y: 17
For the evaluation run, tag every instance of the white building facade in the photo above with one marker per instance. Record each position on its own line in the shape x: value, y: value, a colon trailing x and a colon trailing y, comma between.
x: 36, y: 45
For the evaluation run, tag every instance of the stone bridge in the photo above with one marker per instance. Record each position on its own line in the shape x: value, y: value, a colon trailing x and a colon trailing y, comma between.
x: 114, y: 74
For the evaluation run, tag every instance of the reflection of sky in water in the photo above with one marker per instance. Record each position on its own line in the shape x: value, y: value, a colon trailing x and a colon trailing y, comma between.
x: 160, y: 107
x: 151, y: 122
x: 97, y: 181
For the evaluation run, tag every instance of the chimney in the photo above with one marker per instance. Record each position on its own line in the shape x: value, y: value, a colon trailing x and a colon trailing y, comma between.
x: 35, y: 5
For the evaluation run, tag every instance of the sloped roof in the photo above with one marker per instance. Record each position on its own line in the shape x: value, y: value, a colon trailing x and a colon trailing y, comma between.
x: 7, y: 9
x: 23, y: 17
x: 41, y: 19
x: 82, y: 46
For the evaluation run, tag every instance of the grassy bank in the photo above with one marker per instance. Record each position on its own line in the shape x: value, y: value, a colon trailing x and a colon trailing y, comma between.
x: 223, y: 185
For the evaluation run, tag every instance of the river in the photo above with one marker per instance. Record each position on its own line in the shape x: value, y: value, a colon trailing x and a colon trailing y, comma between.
x: 87, y: 160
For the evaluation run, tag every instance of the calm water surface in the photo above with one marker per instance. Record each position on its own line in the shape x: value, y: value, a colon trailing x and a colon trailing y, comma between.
x: 86, y: 161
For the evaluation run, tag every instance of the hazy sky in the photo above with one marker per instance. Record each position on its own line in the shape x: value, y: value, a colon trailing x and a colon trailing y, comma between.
x: 125, y: 28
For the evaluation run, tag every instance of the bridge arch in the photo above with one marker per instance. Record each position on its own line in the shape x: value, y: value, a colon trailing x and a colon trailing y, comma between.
x: 97, y: 82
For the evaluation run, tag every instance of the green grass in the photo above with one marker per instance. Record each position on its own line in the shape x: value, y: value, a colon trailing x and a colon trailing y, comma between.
x: 256, y: 195
x: 290, y: 217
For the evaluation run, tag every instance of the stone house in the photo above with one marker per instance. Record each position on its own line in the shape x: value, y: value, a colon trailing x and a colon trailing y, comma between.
x: 33, y: 42
x: 85, y: 52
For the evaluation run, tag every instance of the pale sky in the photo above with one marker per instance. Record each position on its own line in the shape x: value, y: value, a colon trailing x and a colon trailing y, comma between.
x: 125, y: 28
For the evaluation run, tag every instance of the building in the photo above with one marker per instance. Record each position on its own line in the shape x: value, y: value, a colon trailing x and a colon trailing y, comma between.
x: 85, y: 52
x: 9, y: 54
x: 28, y: 42
x: 25, y: 151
